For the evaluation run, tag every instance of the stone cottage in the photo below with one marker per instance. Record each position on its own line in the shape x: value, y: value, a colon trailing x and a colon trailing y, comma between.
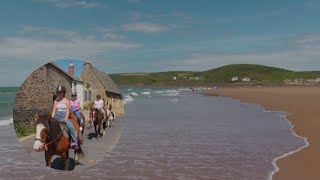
x: 97, y: 82
x: 37, y: 91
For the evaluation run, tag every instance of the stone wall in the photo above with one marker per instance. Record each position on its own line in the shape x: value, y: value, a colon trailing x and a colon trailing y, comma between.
x: 36, y: 93
x: 96, y: 88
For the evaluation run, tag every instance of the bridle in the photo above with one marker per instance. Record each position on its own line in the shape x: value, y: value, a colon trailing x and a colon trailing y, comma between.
x: 43, y: 142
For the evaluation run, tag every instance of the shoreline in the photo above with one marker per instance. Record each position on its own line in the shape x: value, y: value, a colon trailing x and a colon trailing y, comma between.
x: 300, y: 105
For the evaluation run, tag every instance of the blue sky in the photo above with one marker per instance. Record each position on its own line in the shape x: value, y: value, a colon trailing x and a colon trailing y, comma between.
x: 64, y: 65
x: 153, y: 35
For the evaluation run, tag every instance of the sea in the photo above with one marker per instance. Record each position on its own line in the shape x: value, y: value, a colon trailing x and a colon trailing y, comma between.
x: 171, y: 133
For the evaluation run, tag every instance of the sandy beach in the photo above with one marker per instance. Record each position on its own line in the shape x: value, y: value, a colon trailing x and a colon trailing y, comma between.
x: 302, y: 104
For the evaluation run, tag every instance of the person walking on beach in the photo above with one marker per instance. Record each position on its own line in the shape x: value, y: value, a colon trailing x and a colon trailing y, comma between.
x: 99, y: 104
x: 74, y: 107
x: 61, y: 110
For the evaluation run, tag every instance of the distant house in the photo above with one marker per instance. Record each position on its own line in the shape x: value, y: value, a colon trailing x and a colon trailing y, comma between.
x: 191, y: 78
x: 235, y: 78
x: 287, y: 81
x: 310, y: 80
x: 317, y: 80
x: 174, y: 78
x: 246, y: 79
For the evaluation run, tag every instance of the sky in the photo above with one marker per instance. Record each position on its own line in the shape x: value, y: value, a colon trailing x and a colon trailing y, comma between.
x: 77, y: 64
x: 155, y: 35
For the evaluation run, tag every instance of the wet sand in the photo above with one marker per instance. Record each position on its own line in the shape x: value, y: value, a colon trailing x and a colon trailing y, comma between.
x: 303, y: 106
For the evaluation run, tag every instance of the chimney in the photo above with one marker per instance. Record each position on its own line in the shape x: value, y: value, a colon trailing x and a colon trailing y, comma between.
x: 71, y: 69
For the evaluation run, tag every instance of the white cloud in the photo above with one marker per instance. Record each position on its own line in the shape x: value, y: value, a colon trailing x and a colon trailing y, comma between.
x: 74, y: 3
x: 58, y: 43
x: 145, y: 27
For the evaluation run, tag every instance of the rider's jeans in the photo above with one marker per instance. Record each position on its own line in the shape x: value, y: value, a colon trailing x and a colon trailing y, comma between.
x: 60, y: 115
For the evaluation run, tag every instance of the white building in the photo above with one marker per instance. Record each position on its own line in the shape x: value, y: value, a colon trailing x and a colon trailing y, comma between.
x: 235, y: 78
x: 245, y: 79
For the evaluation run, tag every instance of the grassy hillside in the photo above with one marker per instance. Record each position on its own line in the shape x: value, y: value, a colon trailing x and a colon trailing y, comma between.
x: 256, y: 74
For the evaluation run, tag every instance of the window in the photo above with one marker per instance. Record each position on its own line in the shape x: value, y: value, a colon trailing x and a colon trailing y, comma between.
x: 85, y: 95
x: 74, y: 87
x: 89, y: 96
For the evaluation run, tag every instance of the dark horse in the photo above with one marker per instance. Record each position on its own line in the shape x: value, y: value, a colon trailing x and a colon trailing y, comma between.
x: 97, y: 120
x: 50, y: 138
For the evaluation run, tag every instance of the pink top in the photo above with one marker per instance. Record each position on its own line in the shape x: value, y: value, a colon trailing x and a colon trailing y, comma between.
x: 75, y: 104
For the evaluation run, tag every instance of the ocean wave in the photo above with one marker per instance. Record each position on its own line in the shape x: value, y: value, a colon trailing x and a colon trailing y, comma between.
x: 6, y: 122
x: 145, y: 93
x: 128, y: 98
x: 158, y: 92
x: 184, y: 89
x: 134, y: 94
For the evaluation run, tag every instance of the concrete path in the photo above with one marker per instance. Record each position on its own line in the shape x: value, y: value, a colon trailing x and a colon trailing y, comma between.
x: 95, y: 149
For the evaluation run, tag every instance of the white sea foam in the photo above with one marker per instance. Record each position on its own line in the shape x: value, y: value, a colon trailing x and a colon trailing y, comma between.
x: 158, y: 92
x: 171, y: 92
x: 128, y: 98
x: 134, y: 94
x: 6, y: 122
x: 129, y: 89
x: 145, y: 92
x: 184, y: 89
x: 274, y: 161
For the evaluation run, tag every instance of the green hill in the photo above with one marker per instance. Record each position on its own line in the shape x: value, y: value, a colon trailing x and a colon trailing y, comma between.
x: 256, y: 74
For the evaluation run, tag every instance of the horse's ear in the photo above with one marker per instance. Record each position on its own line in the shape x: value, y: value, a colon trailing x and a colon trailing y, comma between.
x: 36, y: 117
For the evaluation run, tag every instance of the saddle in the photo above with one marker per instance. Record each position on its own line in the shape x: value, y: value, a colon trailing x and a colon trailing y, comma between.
x: 65, y: 130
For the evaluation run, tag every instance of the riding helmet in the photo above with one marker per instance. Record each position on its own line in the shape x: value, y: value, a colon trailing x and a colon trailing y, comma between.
x: 61, y: 88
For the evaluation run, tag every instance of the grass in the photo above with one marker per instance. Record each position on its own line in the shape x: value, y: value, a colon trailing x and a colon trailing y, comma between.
x: 222, y: 75
x: 23, y: 130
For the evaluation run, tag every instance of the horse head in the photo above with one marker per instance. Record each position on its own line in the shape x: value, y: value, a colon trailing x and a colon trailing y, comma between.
x: 42, y: 130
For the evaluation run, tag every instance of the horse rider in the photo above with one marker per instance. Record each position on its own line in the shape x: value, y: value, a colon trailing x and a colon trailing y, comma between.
x: 61, y: 110
x: 99, y: 104
x: 74, y: 107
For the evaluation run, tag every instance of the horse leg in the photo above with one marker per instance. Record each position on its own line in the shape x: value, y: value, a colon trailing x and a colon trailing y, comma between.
x: 99, y: 129
x: 64, y: 161
x: 95, y: 128
x: 48, y: 158
x: 104, y: 127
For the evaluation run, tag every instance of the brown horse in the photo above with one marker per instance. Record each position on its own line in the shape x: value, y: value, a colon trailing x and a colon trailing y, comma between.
x: 97, y: 120
x: 50, y: 138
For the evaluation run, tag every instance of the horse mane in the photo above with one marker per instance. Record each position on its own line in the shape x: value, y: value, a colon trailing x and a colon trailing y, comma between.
x: 55, y: 129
